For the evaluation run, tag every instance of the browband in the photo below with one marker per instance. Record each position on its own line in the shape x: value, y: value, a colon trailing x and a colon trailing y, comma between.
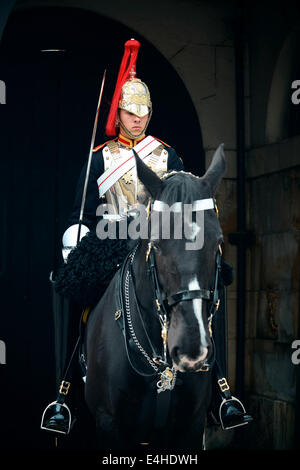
x: 199, y: 205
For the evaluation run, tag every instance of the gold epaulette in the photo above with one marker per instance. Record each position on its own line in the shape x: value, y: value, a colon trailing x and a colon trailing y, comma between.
x: 103, y: 145
x: 164, y: 143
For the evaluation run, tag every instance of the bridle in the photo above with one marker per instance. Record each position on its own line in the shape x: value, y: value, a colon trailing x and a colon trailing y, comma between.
x: 164, y: 302
x: 164, y: 305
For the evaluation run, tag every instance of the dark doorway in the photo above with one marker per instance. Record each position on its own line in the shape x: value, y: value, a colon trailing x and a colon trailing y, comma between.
x: 45, y: 131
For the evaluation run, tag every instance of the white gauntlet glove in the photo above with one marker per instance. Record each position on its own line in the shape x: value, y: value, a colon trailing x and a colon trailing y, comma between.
x: 69, y: 239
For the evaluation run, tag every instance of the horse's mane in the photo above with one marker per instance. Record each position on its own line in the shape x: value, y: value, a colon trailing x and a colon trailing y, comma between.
x: 182, y: 186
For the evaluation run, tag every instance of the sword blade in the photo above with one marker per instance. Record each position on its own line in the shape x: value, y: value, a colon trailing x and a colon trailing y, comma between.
x: 90, y: 158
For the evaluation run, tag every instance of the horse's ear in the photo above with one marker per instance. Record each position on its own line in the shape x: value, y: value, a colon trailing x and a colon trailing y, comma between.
x: 216, y: 169
x: 149, y: 179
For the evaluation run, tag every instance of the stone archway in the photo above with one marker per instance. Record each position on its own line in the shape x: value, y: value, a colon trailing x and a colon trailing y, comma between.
x: 46, y: 127
x: 279, y: 101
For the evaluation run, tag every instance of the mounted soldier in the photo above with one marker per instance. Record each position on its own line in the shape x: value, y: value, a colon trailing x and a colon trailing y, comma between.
x: 110, y: 177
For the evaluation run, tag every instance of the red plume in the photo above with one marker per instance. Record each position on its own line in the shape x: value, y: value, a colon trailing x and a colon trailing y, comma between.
x: 128, y: 64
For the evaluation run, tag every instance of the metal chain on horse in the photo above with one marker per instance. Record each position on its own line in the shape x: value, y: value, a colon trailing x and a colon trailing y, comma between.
x: 167, y: 377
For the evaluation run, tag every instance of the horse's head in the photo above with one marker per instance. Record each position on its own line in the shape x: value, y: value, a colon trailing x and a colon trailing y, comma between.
x: 186, y: 262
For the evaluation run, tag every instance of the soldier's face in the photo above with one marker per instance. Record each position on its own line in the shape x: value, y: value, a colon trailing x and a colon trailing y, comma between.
x: 134, y: 124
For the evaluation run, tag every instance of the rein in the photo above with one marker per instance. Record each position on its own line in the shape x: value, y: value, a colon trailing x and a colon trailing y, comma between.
x: 160, y: 367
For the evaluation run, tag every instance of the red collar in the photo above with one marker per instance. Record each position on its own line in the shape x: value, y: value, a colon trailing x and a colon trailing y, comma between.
x: 130, y: 142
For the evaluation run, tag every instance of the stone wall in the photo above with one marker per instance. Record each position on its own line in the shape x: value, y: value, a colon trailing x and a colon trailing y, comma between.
x: 273, y: 290
x: 273, y: 195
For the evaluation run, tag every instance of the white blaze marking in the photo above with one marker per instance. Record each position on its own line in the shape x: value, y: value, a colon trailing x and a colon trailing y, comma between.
x: 196, y: 229
x: 197, y: 305
x: 192, y: 231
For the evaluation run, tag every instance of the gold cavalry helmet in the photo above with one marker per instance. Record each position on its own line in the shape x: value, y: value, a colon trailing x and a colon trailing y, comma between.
x: 135, y: 97
x: 131, y: 94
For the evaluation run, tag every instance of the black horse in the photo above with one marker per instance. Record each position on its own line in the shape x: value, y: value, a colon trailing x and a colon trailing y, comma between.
x: 148, y: 342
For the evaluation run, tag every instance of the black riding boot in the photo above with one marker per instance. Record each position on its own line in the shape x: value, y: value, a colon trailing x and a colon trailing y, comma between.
x: 57, y: 415
x: 226, y: 410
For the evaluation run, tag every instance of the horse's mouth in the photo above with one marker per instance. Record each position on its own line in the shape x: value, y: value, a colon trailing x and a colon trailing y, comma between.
x: 186, y: 368
x: 178, y: 367
x: 183, y: 363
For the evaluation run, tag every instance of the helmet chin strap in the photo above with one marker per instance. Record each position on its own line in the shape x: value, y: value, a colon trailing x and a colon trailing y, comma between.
x: 132, y: 136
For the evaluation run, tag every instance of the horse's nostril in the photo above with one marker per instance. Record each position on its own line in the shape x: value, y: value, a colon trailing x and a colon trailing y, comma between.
x: 204, y: 352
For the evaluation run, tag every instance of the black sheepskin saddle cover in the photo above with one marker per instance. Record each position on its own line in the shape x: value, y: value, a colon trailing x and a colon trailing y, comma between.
x: 90, y: 267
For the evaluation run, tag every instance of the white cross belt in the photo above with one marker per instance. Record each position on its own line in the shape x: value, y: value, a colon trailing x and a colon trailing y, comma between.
x: 117, y: 170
